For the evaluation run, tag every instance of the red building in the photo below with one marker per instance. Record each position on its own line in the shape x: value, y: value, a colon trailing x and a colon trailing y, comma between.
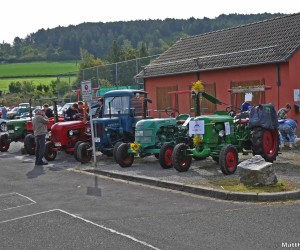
x: 262, y: 54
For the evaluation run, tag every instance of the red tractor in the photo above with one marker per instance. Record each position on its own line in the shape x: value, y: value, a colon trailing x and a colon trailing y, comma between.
x: 68, y: 137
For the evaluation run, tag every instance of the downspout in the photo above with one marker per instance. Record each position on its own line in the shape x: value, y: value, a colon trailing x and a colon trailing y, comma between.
x: 278, y: 82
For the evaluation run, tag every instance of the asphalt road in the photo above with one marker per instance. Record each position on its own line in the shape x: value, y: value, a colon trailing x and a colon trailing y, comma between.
x: 51, y: 207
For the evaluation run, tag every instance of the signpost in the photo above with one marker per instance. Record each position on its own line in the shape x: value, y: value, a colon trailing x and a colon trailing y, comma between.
x: 87, y: 96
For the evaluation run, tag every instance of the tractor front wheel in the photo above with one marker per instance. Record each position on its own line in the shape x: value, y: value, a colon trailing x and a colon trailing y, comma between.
x: 165, y: 155
x: 29, y: 144
x: 116, y: 146
x: 265, y: 142
x: 124, y: 159
x: 84, y: 152
x: 75, y: 149
x: 4, y: 144
x: 181, y: 161
x: 50, y: 154
x: 228, y: 159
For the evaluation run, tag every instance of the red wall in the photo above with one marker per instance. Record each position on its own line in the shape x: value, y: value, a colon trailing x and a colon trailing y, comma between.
x: 279, y: 96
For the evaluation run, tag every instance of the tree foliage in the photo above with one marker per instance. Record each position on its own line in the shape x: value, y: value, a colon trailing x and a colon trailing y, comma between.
x: 116, y: 41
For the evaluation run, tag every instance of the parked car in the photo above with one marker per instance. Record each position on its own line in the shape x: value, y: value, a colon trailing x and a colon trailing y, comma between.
x: 17, y: 112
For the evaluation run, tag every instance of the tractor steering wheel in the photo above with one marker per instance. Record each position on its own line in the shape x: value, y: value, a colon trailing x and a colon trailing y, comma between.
x: 231, y: 111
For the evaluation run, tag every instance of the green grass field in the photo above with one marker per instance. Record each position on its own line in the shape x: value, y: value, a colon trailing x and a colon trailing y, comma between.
x: 35, y: 68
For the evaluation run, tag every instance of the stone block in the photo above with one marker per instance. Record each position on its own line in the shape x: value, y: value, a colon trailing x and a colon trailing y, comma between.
x: 257, y: 172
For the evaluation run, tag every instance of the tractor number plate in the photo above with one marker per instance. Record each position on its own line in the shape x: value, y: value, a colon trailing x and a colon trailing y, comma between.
x: 57, y: 144
x: 11, y: 131
x: 97, y: 139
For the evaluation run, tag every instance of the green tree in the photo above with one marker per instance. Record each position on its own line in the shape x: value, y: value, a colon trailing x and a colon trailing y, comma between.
x: 15, y: 87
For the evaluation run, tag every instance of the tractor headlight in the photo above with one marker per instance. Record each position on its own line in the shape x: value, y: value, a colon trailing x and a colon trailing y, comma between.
x: 72, y: 132
x: 221, y: 133
x: 88, y: 130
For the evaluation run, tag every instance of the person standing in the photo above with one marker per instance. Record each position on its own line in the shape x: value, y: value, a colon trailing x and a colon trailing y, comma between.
x: 48, y: 111
x: 287, y: 130
x: 39, y: 123
x: 282, y: 113
x: 4, y: 112
x: 99, y: 110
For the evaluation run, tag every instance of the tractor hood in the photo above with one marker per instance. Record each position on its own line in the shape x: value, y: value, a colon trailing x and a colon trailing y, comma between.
x: 68, y: 125
x: 214, y: 118
x: 17, y: 122
x: 155, y: 123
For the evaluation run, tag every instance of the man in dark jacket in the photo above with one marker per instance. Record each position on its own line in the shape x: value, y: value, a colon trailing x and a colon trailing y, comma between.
x: 72, y: 113
x: 48, y: 111
x: 99, y: 106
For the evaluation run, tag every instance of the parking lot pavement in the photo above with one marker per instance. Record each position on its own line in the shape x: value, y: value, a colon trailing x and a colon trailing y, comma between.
x: 198, y: 179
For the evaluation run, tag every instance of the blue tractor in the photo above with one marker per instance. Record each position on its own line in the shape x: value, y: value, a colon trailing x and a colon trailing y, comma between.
x: 122, y: 109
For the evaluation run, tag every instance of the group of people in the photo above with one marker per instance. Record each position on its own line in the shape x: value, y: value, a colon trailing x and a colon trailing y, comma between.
x: 76, y: 111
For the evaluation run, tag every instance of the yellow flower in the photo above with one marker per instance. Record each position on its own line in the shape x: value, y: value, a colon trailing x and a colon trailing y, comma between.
x: 134, y: 147
x: 198, y: 86
x: 197, y: 140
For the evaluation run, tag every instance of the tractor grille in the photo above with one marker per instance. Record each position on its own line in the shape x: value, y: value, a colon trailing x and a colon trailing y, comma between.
x: 10, y: 127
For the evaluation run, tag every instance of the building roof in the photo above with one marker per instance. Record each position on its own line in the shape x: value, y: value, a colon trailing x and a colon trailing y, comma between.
x: 270, y: 41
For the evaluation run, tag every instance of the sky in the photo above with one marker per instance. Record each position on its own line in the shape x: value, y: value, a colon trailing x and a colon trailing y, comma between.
x: 20, y: 18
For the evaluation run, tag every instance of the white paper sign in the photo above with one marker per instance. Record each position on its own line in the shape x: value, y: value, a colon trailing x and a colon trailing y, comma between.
x: 227, y: 128
x: 196, y: 127
x: 248, y: 97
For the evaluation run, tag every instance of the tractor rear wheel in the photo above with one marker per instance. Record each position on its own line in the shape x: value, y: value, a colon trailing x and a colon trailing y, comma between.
x: 29, y: 144
x: 75, y: 149
x: 228, y: 159
x: 165, y: 155
x: 84, y: 152
x: 50, y: 154
x: 181, y: 161
x: 116, y: 146
x: 124, y: 159
x: 265, y: 142
x: 4, y: 144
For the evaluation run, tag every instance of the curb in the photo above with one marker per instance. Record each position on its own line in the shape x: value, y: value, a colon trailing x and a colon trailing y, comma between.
x: 203, y: 191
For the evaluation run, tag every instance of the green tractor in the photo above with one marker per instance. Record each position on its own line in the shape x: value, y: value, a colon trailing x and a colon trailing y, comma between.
x: 222, y: 137
x: 153, y: 137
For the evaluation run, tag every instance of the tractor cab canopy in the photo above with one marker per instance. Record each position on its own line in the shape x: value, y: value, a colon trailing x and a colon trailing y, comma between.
x: 124, y: 102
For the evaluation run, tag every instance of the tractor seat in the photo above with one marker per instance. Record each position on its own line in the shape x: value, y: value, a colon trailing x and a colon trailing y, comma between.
x: 180, y: 119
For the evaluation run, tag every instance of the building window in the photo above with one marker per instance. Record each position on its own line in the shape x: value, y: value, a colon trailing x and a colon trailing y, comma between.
x: 163, y: 99
x: 257, y: 97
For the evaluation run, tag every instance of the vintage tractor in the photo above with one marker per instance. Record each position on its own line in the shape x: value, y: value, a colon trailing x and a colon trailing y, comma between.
x: 67, y: 136
x: 222, y: 137
x: 154, y: 137
x: 122, y: 109
x: 16, y: 131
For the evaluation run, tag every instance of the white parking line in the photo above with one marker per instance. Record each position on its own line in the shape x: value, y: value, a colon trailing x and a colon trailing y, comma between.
x: 88, y: 221
x: 7, y: 194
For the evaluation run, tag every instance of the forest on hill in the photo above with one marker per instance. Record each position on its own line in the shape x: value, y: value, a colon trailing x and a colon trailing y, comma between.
x: 116, y: 41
